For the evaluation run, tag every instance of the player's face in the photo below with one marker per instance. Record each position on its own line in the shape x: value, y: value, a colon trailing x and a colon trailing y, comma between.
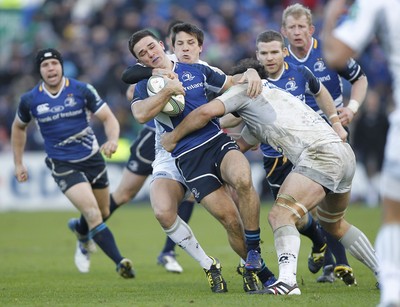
x: 298, y: 31
x: 51, y: 72
x: 271, y: 56
x: 151, y: 53
x: 187, y: 48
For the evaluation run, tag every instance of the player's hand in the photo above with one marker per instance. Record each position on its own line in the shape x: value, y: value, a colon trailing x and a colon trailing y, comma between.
x: 345, y: 115
x: 174, y: 86
x: 167, y: 141
x: 109, y: 148
x: 21, y: 173
x: 253, y: 79
x: 341, y: 132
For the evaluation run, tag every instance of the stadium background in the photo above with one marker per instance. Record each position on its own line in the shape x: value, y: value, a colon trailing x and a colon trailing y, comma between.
x: 93, y: 38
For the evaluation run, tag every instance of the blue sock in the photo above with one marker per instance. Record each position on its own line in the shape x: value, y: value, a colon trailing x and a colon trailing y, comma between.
x: 105, y: 240
x: 337, y: 249
x: 113, y: 207
x: 264, y: 274
x: 185, y: 210
x: 252, y: 239
x: 314, y: 232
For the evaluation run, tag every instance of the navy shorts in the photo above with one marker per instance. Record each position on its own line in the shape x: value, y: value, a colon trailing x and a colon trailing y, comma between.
x: 142, y: 153
x: 277, y: 170
x: 200, y: 168
x: 67, y: 174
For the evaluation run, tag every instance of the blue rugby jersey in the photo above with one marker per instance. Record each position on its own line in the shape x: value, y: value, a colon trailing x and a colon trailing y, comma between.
x: 196, y: 78
x: 329, y: 78
x: 63, y: 119
x: 298, y: 80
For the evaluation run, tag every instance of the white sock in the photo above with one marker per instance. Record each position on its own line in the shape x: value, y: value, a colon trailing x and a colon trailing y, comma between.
x: 355, y: 241
x: 388, y: 251
x: 182, y: 235
x: 287, y: 245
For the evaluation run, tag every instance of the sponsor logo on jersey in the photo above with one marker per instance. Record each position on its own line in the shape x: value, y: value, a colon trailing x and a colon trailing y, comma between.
x: 42, y: 108
x: 57, y: 109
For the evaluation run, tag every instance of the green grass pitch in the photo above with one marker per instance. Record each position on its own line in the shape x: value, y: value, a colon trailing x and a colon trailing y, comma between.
x: 37, y: 268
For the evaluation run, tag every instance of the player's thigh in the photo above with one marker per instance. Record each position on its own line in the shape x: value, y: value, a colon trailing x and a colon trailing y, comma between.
x: 129, y: 185
x: 235, y: 169
x: 82, y: 197
x: 165, y: 196
x: 221, y: 206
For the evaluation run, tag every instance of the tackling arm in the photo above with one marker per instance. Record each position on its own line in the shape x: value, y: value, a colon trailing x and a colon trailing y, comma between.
x: 195, y: 120
x: 336, y: 53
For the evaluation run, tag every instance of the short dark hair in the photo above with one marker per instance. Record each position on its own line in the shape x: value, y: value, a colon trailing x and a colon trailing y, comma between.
x: 246, y: 63
x: 270, y: 36
x: 171, y: 25
x: 137, y: 36
x: 189, y: 29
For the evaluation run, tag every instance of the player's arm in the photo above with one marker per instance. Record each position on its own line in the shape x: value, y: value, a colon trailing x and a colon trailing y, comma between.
x: 133, y: 74
x: 336, y: 53
x: 18, y: 142
x: 146, y: 109
x: 195, y: 120
x: 359, y: 86
x: 111, y: 128
x: 251, y: 77
x: 229, y: 121
x: 326, y: 104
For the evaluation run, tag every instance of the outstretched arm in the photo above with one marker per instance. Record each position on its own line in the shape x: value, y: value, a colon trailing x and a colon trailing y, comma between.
x: 336, y: 53
x: 196, y: 120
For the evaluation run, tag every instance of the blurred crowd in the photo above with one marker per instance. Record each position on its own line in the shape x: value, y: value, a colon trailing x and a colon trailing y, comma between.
x: 93, y: 38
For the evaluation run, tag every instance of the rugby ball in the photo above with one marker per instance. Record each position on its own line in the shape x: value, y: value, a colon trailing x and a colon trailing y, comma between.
x: 175, y: 105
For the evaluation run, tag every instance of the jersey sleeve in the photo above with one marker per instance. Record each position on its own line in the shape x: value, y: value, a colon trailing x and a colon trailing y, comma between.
x: 313, y: 84
x: 133, y: 74
x: 248, y: 137
x: 357, y: 29
x: 234, y: 98
x: 352, y: 72
x: 23, y: 111
x: 215, y: 79
x: 93, y: 99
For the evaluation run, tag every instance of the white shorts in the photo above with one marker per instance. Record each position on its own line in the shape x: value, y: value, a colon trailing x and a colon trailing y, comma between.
x: 331, y: 165
x: 164, y: 167
x: 390, y: 180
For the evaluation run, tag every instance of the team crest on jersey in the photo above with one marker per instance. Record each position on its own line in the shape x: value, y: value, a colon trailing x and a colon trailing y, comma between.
x: 291, y: 86
x: 42, y: 108
x: 187, y: 76
x: 70, y: 101
x: 319, y: 66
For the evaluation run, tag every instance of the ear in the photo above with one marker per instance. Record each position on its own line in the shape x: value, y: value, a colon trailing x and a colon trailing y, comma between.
x: 283, y: 31
x: 162, y: 45
x: 312, y: 30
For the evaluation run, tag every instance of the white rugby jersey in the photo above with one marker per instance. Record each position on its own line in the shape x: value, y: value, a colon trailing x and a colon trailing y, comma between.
x: 367, y: 18
x: 278, y: 118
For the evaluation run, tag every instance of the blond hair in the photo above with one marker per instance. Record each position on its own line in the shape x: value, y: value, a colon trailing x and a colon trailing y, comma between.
x: 296, y: 10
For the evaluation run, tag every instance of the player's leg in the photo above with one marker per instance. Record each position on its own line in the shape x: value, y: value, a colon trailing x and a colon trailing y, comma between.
x: 277, y: 169
x: 387, y: 241
x: 235, y: 171
x: 167, y: 257
x: 83, y: 198
x: 331, y: 216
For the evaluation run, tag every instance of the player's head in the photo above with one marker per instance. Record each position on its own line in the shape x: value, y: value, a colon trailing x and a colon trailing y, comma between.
x: 147, y: 48
x: 270, y: 51
x: 168, y: 39
x: 46, y: 57
x: 187, y: 41
x: 244, y: 64
x: 297, y: 25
